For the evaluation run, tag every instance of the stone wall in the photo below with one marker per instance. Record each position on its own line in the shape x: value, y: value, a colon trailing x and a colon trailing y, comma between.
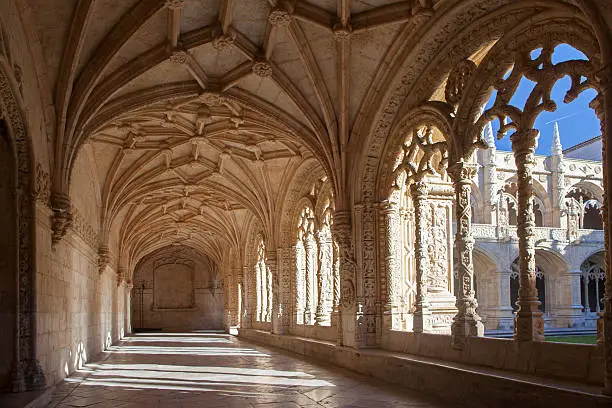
x: 74, y: 303
x: 79, y: 307
x: 181, y: 291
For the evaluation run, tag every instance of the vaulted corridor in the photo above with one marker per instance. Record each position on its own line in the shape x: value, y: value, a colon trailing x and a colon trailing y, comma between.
x: 208, y: 369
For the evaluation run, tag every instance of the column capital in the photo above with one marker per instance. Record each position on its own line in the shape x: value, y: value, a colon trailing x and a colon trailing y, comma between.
x: 419, y: 190
x: 62, y: 216
x: 462, y: 172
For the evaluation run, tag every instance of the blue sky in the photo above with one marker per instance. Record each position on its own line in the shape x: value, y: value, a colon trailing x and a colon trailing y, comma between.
x: 577, y: 122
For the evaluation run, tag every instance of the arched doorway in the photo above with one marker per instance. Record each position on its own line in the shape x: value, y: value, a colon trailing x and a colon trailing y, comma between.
x: 8, y: 261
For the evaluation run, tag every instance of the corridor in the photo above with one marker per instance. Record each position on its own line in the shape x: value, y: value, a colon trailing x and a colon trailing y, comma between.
x: 206, y: 369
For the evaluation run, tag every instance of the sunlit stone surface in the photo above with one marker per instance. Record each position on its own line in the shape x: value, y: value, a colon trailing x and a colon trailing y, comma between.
x: 208, y: 369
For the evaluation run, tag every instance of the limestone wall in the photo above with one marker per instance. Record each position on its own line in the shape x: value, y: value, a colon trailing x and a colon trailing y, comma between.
x: 74, y: 303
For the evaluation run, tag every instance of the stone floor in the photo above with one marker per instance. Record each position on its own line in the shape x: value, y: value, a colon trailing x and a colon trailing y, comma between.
x: 217, y: 370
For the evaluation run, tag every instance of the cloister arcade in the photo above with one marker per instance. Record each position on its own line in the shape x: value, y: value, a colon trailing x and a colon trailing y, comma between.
x: 315, y: 175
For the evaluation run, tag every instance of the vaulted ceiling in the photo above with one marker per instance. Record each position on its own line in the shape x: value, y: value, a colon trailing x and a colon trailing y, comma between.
x: 201, y: 112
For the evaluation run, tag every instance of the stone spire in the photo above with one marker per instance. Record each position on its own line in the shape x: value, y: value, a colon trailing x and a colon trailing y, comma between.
x: 556, y: 149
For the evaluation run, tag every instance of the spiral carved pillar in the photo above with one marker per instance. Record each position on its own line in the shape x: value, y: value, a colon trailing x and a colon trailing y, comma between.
x: 422, y: 312
x: 467, y: 323
x: 309, y: 247
x: 529, y: 324
x: 391, y: 222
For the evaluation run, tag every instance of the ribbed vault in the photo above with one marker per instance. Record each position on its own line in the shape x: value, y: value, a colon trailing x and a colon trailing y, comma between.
x: 200, y: 113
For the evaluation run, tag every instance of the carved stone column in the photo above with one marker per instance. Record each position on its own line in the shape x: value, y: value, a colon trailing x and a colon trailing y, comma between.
x: 322, y: 317
x: 271, y: 284
x: 309, y: 247
x: 422, y: 314
x: 602, y: 105
x: 275, y: 298
x: 467, y: 322
x: 529, y: 324
x: 128, y: 308
x: 249, y: 307
x: 235, y: 297
x: 391, y: 222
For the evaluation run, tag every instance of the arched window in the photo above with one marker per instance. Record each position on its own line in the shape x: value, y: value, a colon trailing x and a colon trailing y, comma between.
x: 263, y: 281
x: 514, y: 287
x: 585, y: 208
x: 317, y: 277
x: 592, y: 282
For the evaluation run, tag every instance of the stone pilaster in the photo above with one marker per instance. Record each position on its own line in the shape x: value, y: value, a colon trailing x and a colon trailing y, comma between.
x: 529, y: 324
x: 467, y: 322
x: 347, y: 317
x: 422, y: 312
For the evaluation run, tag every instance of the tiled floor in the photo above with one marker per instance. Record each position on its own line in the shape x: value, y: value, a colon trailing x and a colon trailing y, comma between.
x: 217, y: 370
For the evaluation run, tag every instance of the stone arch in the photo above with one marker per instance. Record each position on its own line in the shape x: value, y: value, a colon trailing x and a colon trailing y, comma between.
x: 27, y: 374
x: 434, y: 115
x: 461, y: 33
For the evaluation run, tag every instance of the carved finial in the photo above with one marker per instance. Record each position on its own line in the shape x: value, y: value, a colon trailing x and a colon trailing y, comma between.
x: 556, y: 149
x: 342, y: 33
x: 279, y: 18
x: 262, y: 69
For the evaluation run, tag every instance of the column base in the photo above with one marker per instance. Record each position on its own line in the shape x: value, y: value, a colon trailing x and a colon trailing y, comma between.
x: 421, y: 321
x: 466, y: 326
x: 529, y: 326
x: 17, y: 379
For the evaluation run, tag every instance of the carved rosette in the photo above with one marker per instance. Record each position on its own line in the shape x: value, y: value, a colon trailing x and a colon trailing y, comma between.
x: 467, y: 322
x: 279, y: 18
x: 342, y: 33
x: 224, y: 41
x: 422, y: 209
x: 178, y: 57
x: 529, y: 325
x: 262, y: 69
x: 62, y: 216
